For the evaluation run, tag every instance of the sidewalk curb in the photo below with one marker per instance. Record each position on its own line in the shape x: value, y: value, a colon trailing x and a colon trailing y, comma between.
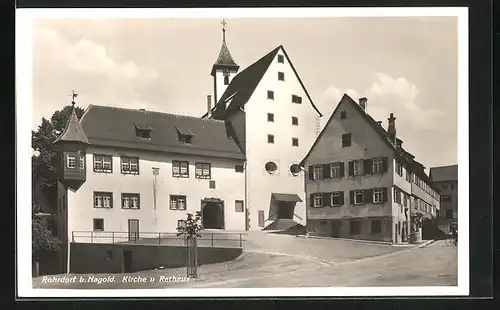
x: 344, y: 239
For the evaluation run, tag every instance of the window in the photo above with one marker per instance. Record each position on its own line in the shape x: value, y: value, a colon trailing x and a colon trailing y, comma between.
x: 337, y: 199
x: 130, y: 201
x: 357, y: 166
x: 271, y: 167
x: 71, y: 161
x: 177, y: 202
x: 187, y: 139
x: 346, y: 140
x: 180, y: 169
x: 98, y: 224
x: 405, y: 200
x: 103, y: 163
x: 296, y: 99
x: 270, y: 94
x: 399, y: 169
x: 445, y: 198
x: 343, y: 114
x: 281, y: 76
x: 354, y: 228
x: 130, y: 165
x: 378, y: 195
x: 295, y: 121
x: 270, y: 138
x: 295, y: 141
x: 376, y: 226
x: 238, y: 206
x: 318, y: 200
x: 211, y: 184
x: 181, y: 223
x: 103, y: 200
x: 397, y: 195
x: 238, y: 168
x: 378, y: 165
x: 202, y: 170
x: 281, y: 59
x: 295, y: 169
x: 335, y: 170
x: 408, y: 176
x: 270, y: 117
x: 143, y: 133
x: 358, y: 197
x: 82, y: 161
x: 317, y: 172
x: 226, y: 79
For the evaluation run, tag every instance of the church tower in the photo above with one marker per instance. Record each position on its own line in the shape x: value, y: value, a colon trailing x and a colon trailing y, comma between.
x: 224, y: 69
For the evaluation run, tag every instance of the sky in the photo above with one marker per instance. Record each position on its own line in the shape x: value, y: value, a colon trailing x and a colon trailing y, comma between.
x: 404, y: 65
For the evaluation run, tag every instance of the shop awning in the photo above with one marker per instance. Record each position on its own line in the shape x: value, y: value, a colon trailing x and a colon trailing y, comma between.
x: 286, y: 197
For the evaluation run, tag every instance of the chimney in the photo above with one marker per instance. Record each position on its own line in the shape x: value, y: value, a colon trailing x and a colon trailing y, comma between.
x: 209, y: 105
x: 379, y: 123
x: 362, y: 103
x: 391, y: 129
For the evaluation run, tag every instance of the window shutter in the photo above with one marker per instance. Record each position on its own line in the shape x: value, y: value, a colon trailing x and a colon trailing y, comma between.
x: 311, y: 200
x: 342, y: 202
x: 367, y: 166
x: 368, y: 197
x: 384, y: 194
x: 311, y: 173
x: 385, y: 164
x: 351, y: 168
x: 327, y: 201
x: 351, y: 197
x: 342, y: 172
x: 326, y: 171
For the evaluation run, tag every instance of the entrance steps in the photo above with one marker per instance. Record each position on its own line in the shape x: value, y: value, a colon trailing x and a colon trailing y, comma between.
x: 282, y: 224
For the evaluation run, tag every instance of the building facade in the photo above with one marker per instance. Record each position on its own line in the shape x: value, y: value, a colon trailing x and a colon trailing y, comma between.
x: 129, y: 173
x: 361, y: 183
x: 446, y: 178
x: 274, y: 121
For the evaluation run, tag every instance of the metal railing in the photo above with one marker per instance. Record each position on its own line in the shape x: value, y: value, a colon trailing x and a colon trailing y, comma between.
x: 207, y: 239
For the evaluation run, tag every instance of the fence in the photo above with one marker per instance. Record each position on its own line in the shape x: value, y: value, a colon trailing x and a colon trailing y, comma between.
x: 207, y: 239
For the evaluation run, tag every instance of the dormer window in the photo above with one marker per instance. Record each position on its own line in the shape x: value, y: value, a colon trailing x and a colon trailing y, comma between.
x: 143, y: 131
x: 185, y: 135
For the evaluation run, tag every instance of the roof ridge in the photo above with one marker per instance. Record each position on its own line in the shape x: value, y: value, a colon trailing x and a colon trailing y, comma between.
x: 162, y: 113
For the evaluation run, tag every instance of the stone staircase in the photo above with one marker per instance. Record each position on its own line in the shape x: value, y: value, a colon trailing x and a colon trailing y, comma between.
x: 281, y: 224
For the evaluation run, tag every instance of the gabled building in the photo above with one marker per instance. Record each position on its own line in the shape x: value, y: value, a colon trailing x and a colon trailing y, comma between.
x: 273, y: 119
x: 446, y: 178
x: 128, y: 174
x: 361, y: 183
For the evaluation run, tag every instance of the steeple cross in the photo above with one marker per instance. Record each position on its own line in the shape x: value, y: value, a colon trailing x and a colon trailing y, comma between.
x: 73, y: 97
x: 224, y: 23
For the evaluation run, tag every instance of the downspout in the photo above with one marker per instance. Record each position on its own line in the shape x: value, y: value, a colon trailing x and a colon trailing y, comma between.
x: 305, y: 198
x: 247, y: 210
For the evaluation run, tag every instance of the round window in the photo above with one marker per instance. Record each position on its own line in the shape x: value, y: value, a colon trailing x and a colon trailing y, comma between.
x: 295, y: 169
x: 271, y: 167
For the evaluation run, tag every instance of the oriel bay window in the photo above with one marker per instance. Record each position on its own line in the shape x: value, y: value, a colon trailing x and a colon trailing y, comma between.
x: 177, y: 202
x: 71, y: 161
x: 130, y: 201
x: 180, y: 169
x: 130, y: 165
x: 103, y: 200
x: 203, y: 170
x: 103, y: 163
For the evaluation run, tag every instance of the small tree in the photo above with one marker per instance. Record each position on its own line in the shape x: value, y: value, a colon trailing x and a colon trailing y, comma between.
x: 190, y: 229
x: 42, y: 238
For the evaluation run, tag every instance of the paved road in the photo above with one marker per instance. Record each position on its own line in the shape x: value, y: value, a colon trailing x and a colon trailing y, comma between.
x: 434, y: 265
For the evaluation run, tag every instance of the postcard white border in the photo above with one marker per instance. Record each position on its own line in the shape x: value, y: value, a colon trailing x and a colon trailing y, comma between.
x: 24, y: 19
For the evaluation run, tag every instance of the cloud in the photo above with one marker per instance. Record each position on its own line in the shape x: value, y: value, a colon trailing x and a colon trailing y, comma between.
x: 389, y: 95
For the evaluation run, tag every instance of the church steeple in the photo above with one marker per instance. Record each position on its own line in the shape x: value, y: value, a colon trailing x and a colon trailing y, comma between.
x: 224, y: 67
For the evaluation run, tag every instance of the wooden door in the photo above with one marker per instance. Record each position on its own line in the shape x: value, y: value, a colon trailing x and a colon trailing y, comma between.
x: 133, y: 230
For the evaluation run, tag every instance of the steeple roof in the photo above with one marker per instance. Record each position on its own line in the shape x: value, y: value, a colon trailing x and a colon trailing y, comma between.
x: 225, y: 59
x: 73, y: 131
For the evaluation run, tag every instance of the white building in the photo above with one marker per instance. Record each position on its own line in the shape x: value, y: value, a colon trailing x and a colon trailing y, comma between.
x: 274, y: 121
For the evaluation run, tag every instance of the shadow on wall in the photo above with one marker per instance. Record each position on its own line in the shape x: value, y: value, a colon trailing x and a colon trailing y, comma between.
x: 121, y: 258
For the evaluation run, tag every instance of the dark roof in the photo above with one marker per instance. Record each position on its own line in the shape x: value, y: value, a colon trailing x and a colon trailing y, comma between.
x: 286, y: 197
x: 444, y: 173
x: 225, y: 59
x: 244, y: 83
x: 399, y: 152
x: 73, y: 131
x: 115, y: 127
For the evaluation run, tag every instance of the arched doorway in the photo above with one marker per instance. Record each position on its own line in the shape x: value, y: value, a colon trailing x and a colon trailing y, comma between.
x: 212, y: 214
